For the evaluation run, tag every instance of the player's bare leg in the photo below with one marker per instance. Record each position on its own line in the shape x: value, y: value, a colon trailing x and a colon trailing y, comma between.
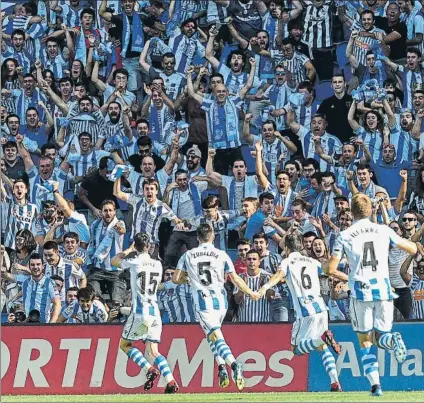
x: 224, y: 379
x: 370, y: 362
x: 224, y: 351
x: 136, y: 355
x: 162, y: 364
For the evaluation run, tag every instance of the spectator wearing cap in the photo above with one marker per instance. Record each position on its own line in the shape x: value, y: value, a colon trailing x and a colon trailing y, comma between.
x: 193, y: 159
x: 341, y: 202
x: 336, y: 108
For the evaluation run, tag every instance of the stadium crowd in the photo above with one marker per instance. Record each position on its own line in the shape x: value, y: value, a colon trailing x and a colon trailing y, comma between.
x: 260, y: 117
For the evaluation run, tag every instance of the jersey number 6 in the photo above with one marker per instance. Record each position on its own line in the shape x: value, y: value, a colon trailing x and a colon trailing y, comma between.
x: 203, y: 268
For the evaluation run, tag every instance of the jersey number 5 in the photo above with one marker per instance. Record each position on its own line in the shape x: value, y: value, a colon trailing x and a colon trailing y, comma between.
x: 153, y: 283
x: 368, y: 257
x: 204, y: 273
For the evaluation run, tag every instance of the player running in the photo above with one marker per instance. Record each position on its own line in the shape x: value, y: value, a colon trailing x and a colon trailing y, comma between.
x: 310, y: 330
x: 206, y: 267
x: 366, y: 246
x: 144, y: 323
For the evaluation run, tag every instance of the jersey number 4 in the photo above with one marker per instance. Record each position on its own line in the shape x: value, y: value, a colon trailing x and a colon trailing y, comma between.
x: 204, y: 273
x: 153, y: 283
x: 368, y: 256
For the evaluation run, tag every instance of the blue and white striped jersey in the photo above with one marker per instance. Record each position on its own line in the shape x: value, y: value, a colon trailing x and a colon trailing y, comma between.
x: 302, y: 277
x: 177, y: 301
x: 250, y: 311
x: 206, y: 267
x: 69, y: 271
x: 42, y: 227
x: 271, y: 155
x: 105, y: 243
x: 35, y: 179
x: 17, y: 217
x: 329, y: 143
x: 74, y: 313
x: 185, y: 49
x: 234, y: 82
x: 174, y: 84
x: 373, y: 140
x: 417, y: 288
x: 147, y: 217
x: 87, y: 162
x: 366, y: 246
x: 145, y: 276
x: 39, y: 295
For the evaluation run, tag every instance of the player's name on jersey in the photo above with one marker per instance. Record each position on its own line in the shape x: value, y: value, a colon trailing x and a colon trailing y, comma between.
x: 208, y: 253
x: 368, y: 230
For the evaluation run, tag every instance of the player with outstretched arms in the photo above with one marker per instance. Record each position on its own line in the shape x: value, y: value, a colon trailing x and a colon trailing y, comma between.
x: 366, y: 246
x: 144, y: 322
x: 310, y: 330
x: 206, y: 268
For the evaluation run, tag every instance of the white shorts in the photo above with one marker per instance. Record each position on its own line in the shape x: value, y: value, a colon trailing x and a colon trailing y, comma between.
x: 142, y: 327
x: 211, y: 320
x: 309, y: 327
x: 369, y: 315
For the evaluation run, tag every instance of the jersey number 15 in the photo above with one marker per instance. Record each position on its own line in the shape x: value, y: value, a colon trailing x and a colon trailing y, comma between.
x: 150, y: 288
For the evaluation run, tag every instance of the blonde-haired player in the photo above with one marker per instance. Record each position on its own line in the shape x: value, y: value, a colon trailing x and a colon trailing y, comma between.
x: 206, y: 267
x: 366, y: 246
x: 144, y: 322
x: 310, y: 330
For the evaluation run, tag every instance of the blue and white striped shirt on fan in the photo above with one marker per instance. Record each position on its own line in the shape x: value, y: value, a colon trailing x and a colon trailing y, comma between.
x: 251, y: 311
x: 39, y: 295
x: 329, y: 143
x: 17, y: 217
x: 148, y: 217
x: 177, y: 301
x: 318, y: 25
x: 417, y: 288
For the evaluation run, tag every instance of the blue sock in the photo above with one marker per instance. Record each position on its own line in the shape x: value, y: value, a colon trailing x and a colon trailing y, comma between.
x: 386, y: 341
x: 329, y: 364
x: 218, y: 358
x: 307, y: 346
x: 136, y: 355
x: 224, y: 351
x: 164, y: 369
x: 369, y: 361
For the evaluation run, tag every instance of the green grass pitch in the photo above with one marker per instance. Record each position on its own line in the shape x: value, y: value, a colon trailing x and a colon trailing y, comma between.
x: 229, y: 397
